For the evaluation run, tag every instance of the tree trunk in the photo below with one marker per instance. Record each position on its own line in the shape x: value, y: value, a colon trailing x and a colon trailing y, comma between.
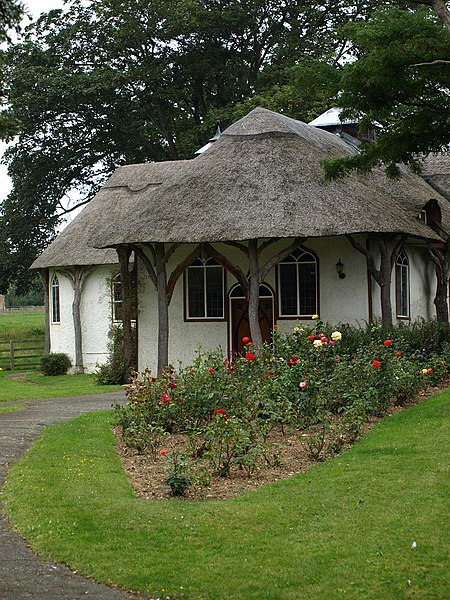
x: 77, y: 284
x: 441, y: 265
x: 127, y: 308
x: 441, y: 10
x: 163, y: 308
x: 385, y: 288
x: 44, y: 273
x: 253, y: 296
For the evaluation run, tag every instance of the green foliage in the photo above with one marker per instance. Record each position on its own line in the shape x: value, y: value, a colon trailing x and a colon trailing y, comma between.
x: 114, y: 371
x: 399, y: 80
x: 177, y: 474
x: 56, y: 363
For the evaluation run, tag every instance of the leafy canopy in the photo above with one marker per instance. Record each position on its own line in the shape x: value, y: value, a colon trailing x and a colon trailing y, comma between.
x: 401, y: 81
x: 113, y: 81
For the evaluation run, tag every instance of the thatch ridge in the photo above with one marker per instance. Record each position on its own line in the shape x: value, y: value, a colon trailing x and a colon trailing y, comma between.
x: 263, y: 178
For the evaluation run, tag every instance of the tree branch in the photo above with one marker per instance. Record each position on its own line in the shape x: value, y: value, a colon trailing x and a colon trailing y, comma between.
x: 179, y: 269
x: 146, y: 262
x: 272, y: 262
x: 229, y: 266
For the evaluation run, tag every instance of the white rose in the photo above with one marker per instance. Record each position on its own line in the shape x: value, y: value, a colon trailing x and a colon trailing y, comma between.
x: 336, y: 336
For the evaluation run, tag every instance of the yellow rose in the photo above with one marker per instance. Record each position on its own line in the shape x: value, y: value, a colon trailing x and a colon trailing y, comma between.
x: 317, y: 343
x: 315, y: 316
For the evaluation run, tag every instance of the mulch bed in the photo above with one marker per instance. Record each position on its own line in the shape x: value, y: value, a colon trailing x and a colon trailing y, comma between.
x: 146, y: 474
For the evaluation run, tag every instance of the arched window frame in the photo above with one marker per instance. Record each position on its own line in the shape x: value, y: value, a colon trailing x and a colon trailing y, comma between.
x: 204, y: 291
x: 116, y: 298
x: 402, y: 286
x: 55, y: 300
x: 300, y: 256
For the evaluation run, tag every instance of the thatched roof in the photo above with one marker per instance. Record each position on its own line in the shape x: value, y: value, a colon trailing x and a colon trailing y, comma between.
x: 436, y: 172
x: 72, y: 246
x: 262, y: 178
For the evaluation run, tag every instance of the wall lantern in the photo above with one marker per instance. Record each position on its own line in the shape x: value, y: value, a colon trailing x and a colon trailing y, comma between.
x: 340, y: 269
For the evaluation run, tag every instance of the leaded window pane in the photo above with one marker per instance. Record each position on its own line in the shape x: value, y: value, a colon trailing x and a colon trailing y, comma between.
x: 307, y: 288
x: 288, y: 288
x: 214, y: 292
x: 196, y: 292
x: 55, y: 300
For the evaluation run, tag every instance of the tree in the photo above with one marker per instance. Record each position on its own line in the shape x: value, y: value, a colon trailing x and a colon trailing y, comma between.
x: 11, y: 13
x: 401, y: 81
x: 115, y: 82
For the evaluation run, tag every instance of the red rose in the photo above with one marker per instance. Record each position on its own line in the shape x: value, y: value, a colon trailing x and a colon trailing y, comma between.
x: 165, y: 398
x: 153, y: 379
x: 376, y: 364
x: 225, y: 362
x: 211, y: 370
x: 172, y: 386
x: 163, y: 452
x: 220, y: 411
x: 387, y: 343
x: 250, y: 356
x: 249, y: 344
x: 245, y: 340
x: 270, y: 373
x: 398, y: 353
x: 310, y: 338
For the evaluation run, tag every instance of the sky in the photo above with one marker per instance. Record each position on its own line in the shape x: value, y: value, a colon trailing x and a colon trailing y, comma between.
x: 35, y: 8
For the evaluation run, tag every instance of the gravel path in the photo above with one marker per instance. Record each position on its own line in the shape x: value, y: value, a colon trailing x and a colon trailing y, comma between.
x: 22, y: 573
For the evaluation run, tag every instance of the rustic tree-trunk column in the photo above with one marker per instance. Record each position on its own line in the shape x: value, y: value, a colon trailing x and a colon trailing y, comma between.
x: 77, y: 276
x: 79, y: 367
x: 45, y: 277
x: 388, y: 246
x: 253, y: 296
x: 163, y: 307
x: 127, y: 307
x: 385, y: 285
x: 440, y: 258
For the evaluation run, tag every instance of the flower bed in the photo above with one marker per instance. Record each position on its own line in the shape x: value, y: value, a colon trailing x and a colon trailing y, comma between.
x: 317, y: 386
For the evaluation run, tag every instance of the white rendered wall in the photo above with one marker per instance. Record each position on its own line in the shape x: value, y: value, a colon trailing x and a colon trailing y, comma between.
x: 95, y: 309
x: 422, y: 286
x: 340, y: 300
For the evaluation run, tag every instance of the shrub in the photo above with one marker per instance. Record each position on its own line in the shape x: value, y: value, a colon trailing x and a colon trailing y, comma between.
x: 328, y: 379
x: 114, y: 371
x: 177, y: 473
x: 56, y: 363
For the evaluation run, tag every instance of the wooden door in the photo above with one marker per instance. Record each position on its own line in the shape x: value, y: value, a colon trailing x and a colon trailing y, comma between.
x: 239, y: 323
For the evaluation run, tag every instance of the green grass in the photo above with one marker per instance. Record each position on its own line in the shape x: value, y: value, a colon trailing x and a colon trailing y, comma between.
x: 342, y: 530
x: 36, y: 386
x: 6, y: 409
x: 18, y: 326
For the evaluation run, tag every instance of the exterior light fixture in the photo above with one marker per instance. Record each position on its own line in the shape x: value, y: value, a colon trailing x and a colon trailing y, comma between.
x: 340, y: 269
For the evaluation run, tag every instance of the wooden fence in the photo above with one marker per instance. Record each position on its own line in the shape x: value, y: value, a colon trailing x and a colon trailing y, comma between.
x: 17, y: 355
x: 24, y: 310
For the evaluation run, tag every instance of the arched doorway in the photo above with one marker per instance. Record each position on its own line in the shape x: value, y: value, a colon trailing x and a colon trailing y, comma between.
x: 239, y: 326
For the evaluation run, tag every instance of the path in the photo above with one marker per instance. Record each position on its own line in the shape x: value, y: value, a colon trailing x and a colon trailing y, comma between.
x: 22, y: 573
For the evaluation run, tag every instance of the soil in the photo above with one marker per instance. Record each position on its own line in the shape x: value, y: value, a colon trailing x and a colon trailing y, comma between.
x: 146, y: 472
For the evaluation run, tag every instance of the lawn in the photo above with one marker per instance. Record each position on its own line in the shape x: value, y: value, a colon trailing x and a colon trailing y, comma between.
x: 345, y: 529
x: 35, y: 386
x: 19, y: 326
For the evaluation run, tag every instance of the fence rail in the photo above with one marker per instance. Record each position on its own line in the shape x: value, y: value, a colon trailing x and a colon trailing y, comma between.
x: 27, y: 310
x: 21, y: 354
